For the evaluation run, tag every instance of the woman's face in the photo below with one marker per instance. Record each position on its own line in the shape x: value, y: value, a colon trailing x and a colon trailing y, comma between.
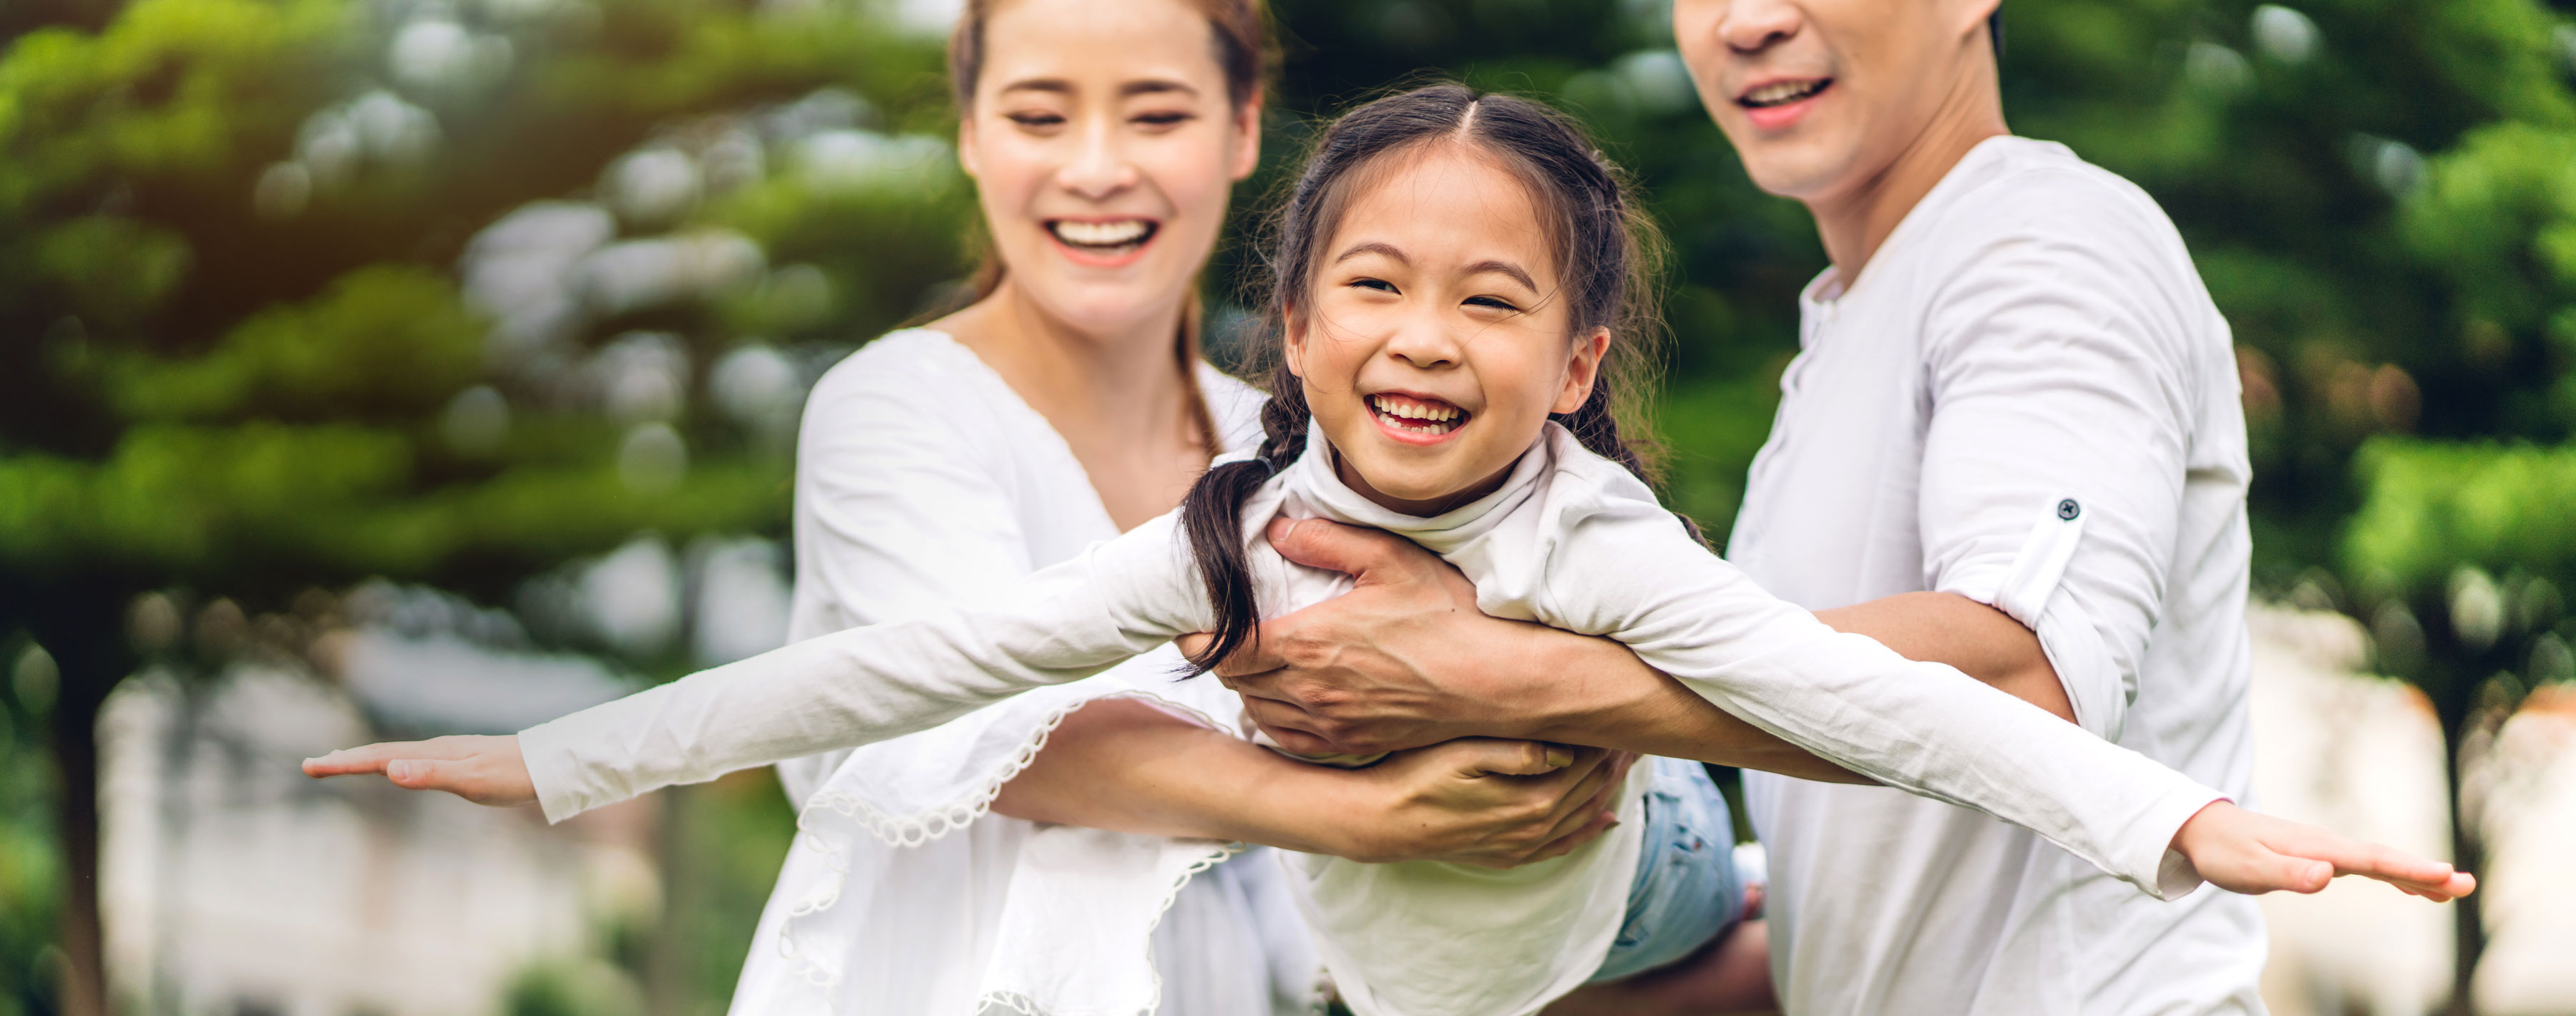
x: 1104, y: 145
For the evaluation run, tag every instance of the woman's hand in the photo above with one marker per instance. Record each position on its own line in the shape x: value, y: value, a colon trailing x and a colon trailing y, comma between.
x: 484, y: 770
x: 1481, y: 801
x: 2250, y: 853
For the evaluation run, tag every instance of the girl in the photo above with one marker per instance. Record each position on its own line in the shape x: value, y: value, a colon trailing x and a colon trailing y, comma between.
x: 1065, y: 404
x: 1451, y: 272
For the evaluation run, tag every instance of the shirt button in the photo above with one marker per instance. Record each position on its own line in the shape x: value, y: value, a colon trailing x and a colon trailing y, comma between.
x: 2068, y: 509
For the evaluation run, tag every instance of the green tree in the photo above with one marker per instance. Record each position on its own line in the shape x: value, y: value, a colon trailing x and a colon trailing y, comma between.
x: 241, y: 358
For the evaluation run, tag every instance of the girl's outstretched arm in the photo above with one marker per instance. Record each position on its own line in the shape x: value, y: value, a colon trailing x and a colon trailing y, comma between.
x: 853, y: 687
x: 484, y: 770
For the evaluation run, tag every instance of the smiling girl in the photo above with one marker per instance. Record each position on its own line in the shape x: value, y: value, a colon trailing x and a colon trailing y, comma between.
x: 1454, y: 273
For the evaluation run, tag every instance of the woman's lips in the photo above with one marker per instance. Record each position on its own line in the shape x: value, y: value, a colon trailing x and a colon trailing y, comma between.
x: 1104, y: 243
x: 1416, y: 419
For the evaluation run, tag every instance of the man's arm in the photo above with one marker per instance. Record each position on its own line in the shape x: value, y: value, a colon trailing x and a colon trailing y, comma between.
x: 1406, y: 658
x: 1982, y: 642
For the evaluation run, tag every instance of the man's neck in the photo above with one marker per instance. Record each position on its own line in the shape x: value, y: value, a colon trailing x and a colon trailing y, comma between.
x: 1856, y: 220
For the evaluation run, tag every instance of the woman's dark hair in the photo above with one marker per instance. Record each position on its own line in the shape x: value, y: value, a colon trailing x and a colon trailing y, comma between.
x: 1607, y: 255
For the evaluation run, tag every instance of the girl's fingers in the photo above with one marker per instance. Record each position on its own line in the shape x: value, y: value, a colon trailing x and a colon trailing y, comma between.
x: 363, y: 759
x: 371, y: 758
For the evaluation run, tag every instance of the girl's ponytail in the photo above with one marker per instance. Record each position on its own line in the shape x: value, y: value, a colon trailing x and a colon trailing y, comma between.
x: 1212, y: 520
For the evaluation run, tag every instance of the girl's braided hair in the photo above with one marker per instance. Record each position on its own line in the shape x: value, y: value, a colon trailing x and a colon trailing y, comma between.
x: 1606, y: 258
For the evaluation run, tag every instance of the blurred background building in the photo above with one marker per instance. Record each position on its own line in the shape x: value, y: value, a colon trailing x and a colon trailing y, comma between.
x: 398, y: 367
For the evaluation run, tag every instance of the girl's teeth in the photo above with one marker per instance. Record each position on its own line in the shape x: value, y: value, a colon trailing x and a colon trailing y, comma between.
x: 1431, y: 419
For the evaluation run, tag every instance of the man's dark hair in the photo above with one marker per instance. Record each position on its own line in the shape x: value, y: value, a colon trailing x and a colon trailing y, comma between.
x: 1995, y: 29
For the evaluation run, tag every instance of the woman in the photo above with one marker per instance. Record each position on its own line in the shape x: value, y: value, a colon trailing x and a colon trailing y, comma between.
x: 1066, y: 404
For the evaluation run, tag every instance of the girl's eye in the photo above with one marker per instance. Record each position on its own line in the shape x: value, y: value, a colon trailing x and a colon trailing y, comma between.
x: 1165, y: 119
x: 1494, y: 302
x: 1381, y: 285
x: 1035, y: 119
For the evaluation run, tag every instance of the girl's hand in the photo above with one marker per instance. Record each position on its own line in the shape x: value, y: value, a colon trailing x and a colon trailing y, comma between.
x: 484, y: 770
x: 1485, y: 802
x: 2245, y: 852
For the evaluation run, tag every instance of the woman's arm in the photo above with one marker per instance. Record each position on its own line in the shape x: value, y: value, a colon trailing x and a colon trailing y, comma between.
x: 1133, y: 767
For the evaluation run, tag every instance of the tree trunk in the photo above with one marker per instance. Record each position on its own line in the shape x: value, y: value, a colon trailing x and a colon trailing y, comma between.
x: 82, y: 628
x: 85, y: 680
x: 2468, y: 853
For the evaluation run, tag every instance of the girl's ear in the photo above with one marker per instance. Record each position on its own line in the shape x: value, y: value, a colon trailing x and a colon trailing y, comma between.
x: 1581, y: 368
x: 1247, y: 139
x: 1292, y: 341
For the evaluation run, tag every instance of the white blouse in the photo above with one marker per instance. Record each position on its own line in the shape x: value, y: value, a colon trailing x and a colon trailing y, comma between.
x: 1570, y: 540
x: 922, y: 481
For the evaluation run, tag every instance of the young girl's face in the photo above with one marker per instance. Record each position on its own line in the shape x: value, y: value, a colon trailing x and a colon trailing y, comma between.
x: 1104, y: 145
x: 1434, y: 342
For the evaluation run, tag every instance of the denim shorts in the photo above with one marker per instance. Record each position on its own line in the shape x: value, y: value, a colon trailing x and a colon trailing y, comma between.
x: 1687, y: 891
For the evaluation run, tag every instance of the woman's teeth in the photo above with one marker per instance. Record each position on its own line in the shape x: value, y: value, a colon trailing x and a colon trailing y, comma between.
x: 1102, y: 236
x: 1783, y: 93
x: 1417, y: 417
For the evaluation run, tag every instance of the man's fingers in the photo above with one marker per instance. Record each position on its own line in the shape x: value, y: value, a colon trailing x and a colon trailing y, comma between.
x: 1286, y: 724
x: 1351, y: 550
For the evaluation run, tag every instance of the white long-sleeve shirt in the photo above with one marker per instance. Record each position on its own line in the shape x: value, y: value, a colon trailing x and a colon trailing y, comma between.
x: 924, y: 480
x: 2028, y: 399
x: 1569, y: 540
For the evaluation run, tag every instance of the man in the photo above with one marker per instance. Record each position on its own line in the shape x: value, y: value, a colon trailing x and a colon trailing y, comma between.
x: 2011, y: 443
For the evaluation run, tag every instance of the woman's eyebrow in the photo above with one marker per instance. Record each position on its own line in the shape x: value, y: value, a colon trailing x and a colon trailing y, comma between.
x: 1150, y: 86
x: 1156, y: 86
x: 1504, y: 268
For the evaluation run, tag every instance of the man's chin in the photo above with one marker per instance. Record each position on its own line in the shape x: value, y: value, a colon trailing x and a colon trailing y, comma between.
x: 1797, y: 170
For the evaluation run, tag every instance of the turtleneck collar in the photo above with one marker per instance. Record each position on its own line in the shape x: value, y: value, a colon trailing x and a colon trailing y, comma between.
x: 1313, y: 480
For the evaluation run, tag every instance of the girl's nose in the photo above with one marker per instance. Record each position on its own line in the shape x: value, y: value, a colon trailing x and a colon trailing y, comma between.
x: 1424, y: 342
x: 1100, y: 167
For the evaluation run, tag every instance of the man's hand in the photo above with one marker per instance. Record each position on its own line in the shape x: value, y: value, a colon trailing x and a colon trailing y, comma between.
x: 2241, y: 851
x: 1403, y: 660
x: 1406, y: 658
x: 484, y: 770
x: 1485, y: 802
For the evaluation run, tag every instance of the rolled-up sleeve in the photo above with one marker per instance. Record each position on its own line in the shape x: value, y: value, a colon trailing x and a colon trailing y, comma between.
x: 2053, y: 467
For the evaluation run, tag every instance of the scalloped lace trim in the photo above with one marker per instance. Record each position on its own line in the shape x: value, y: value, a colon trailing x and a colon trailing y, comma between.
x: 916, y: 830
x: 1012, y: 1001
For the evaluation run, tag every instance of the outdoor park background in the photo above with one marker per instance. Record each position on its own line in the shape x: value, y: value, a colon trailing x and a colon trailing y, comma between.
x: 398, y: 367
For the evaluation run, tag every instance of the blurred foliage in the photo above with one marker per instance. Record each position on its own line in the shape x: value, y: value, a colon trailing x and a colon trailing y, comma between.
x: 303, y: 291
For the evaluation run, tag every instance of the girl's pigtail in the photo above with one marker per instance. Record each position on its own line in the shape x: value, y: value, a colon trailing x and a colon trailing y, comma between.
x: 1595, y: 425
x: 1212, y: 521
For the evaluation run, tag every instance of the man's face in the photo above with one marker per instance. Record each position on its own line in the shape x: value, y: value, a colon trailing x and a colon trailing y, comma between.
x: 1821, y: 96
